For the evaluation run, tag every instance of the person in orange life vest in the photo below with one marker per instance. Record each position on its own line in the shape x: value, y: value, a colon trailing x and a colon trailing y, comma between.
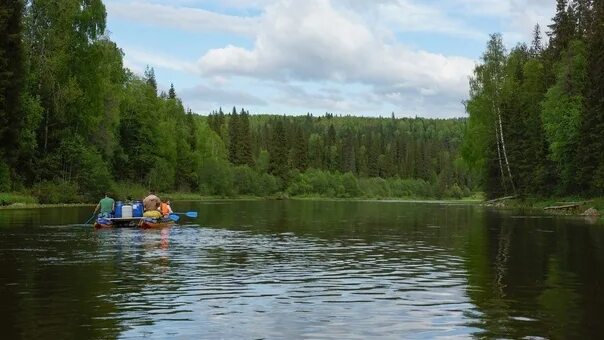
x: 165, y: 208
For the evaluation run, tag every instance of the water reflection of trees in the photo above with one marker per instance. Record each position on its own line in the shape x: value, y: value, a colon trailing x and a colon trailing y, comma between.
x: 49, y: 290
x: 535, y: 276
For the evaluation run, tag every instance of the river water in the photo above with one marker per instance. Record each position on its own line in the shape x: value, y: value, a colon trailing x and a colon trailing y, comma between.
x: 303, y: 269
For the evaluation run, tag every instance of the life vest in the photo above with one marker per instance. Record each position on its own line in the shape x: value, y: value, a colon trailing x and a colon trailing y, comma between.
x: 165, y: 209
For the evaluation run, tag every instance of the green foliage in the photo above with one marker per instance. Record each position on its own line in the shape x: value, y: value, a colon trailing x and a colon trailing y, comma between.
x: 13, y: 198
x: 5, y: 177
x: 120, y: 191
x: 375, y: 187
x: 54, y: 192
x: 562, y: 110
x: 216, y: 178
x: 551, y: 109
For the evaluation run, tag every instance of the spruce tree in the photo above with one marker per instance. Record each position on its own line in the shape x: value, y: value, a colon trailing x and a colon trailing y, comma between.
x: 300, y: 150
x: 244, y: 140
x: 172, y: 92
x: 278, y: 152
x: 12, y: 79
x: 591, y: 157
x: 234, y: 153
x: 150, y: 78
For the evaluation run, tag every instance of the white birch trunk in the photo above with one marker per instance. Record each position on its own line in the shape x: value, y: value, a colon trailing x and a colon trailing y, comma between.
x: 505, y: 155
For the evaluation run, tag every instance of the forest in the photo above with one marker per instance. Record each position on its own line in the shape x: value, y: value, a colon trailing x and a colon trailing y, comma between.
x: 74, y: 123
x: 536, y: 113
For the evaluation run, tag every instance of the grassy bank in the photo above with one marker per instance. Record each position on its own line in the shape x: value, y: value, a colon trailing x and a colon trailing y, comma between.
x: 24, y: 200
x: 9, y: 198
x: 578, y: 204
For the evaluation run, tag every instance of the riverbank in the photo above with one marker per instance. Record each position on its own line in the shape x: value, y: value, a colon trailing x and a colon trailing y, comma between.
x: 556, y: 205
x: 24, y: 201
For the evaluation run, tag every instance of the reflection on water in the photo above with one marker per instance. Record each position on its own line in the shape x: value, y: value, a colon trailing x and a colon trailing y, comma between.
x: 303, y: 270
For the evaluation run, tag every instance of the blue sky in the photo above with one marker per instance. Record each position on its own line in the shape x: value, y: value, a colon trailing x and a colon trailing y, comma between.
x: 358, y: 57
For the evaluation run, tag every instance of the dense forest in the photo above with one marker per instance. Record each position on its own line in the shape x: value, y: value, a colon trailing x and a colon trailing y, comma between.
x: 74, y: 123
x: 536, y: 113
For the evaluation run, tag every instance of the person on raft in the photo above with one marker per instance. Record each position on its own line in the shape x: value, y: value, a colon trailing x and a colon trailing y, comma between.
x: 106, y: 205
x: 165, y: 208
x: 152, y: 203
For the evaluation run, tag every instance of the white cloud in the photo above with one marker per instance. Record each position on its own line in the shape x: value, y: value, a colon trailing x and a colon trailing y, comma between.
x: 412, y: 16
x: 518, y: 16
x: 319, y: 43
x: 138, y: 59
x: 187, y: 18
x: 217, y: 96
x: 335, y: 42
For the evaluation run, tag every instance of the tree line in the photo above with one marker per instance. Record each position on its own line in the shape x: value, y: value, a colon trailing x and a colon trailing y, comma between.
x: 74, y: 122
x: 536, y: 114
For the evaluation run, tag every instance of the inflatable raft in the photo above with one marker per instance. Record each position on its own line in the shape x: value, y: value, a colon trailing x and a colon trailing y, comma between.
x: 150, y: 223
x: 133, y: 222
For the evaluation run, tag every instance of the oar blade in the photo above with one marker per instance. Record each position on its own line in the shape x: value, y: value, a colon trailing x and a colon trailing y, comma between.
x: 174, y: 217
x: 192, y: 214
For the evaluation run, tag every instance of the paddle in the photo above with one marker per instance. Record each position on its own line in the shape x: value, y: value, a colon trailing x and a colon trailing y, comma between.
x: 90, y: 219
x: 191, y: 214
x: 174, y: 217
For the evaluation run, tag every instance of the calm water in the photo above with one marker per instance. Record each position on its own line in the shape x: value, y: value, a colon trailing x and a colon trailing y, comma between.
x: 281, y: 269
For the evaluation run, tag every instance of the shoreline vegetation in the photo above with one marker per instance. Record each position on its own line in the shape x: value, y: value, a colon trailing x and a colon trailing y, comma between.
x: 25, y: 201
x: 557, y: 206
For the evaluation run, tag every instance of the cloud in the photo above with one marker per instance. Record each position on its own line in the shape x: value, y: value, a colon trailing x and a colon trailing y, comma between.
x: 331, y: 48
x: 187, y: 18
x: 203, y: 94
x: 412, y: 16
x: 138, y: 59
x: 331, y: 98
x: 518, y: 16
x: 320, y: 43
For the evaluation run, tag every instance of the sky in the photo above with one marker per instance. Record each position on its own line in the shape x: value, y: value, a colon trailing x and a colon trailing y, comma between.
x: 358, y: 57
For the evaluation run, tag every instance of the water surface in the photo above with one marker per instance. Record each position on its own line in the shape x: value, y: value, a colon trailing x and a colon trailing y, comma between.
x: 303, y: 269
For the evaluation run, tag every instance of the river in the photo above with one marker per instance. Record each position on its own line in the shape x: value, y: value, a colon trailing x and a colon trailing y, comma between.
x: 304, y: 269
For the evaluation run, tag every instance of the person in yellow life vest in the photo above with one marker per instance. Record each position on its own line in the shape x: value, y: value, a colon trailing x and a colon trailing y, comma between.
x: 151, y: 204
x: 165, y: 208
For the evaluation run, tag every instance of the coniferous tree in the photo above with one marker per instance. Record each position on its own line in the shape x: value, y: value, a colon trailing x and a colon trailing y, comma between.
x: 234, y: 154
x: 591, y: 161
x: 150, y: 78
x: 537, y: 43
x: 300, y: 150
x: 278, y: 152
x: 12, y: 80
x: 244, y: 140
x: 172, y: 92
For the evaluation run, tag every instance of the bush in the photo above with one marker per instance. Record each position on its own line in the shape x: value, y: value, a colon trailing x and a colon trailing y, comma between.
x: 350, y: 185
x: 55, y: 192
x: 5, y: 181
x: 410, y: 188
x: 12, y: 198
x: 216, y: 178
x: 122, y: 190
x: 375, y: 187
x: 455, y: 192
x: 95, y: 178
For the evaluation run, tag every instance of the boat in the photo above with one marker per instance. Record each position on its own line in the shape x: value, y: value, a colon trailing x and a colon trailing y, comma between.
x: 154, y: 223
x: 132, y: 222
x: 103, y: 223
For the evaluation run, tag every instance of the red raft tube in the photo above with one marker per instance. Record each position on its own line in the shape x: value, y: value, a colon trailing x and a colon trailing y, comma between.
x: 155, y: 223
